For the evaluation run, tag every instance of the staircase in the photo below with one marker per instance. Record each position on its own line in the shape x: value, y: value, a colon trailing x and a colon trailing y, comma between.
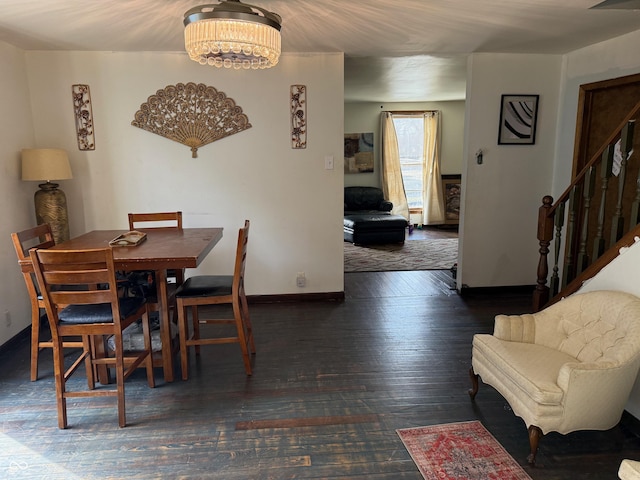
x: 598, y: 214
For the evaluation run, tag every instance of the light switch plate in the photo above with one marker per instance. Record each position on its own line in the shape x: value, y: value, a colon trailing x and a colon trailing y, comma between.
x: 328, y: 162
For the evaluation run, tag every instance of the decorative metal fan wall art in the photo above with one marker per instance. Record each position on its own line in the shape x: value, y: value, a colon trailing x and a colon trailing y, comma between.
x: 194, y: 115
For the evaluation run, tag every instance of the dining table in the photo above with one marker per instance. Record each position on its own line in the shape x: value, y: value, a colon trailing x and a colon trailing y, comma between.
x: 162, y: 249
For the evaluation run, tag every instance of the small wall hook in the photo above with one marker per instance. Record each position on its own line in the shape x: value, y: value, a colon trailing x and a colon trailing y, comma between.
x: 479, y: 157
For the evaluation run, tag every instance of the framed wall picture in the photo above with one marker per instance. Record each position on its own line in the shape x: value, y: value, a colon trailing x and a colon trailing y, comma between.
x: 451, y: 195
x: 358, y: 152
x: 518, y: 117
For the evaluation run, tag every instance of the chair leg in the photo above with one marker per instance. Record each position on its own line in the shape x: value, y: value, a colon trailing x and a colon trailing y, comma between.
x: 247, y: 322
x: 88, y: 345
x: 474, y: 384
x: 195, y: 320
x: 242, y: 338
x: 146, y: 332
x: 534, y: 438
x: 119, y: 367
x: 35, y: 342
x: 59, y: 371
x: 183, y: 332
x: 99, y: 349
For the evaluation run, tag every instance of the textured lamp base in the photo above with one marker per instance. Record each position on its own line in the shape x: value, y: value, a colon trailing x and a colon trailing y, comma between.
x: 51, y: 208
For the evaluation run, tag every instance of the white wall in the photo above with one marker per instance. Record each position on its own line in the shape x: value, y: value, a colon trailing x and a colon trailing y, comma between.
x: 16, y: 133
x: 501, y: 197
x: 365, y: 117
x: 294, y: 204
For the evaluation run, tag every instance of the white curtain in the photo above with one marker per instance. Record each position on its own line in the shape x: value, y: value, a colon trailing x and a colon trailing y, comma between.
x: 432, y: 200
x: 392, y: 184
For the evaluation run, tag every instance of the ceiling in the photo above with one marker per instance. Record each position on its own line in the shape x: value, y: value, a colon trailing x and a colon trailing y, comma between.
x: 395, y: 50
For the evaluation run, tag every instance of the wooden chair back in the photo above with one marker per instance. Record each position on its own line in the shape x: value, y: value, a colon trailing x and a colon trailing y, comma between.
x: 241, y: 260
x: 155, y: 220
x: 76, y: 277
x: 159, y: 220
x: 36, y: 237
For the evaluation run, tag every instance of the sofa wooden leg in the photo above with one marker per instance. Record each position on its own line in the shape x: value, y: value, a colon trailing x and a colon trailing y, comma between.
x: 534, y: 438
x: 474, y: 384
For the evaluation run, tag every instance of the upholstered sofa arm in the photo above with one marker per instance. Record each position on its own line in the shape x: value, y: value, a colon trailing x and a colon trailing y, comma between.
x: 515, y: 328
x: 629, y: 470
x: 365, y: 198
x: 589, y: 408
x: 385, y: 206
x: 574, y: 373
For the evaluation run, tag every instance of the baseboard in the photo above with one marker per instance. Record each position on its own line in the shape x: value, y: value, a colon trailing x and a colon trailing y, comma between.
x: 631, y: 421
x: 523, y: 289
x: 297, y: 297
x: 23, y: 335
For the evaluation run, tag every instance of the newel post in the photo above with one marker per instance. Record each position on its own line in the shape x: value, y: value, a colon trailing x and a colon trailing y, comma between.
x: 545, y: 235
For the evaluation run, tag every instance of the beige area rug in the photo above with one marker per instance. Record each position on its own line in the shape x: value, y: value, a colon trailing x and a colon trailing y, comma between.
x: 440, y: 254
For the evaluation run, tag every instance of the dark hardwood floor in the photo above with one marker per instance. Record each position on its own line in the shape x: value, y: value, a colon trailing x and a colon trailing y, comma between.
x: 332, y: 382
x: 428, y: 232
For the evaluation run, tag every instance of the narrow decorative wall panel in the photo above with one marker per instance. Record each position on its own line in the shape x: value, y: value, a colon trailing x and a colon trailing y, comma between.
x: 84, y: 116
x: 298, y: 116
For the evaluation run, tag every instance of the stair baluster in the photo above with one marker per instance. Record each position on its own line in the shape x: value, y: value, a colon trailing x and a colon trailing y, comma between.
x: 554, y: 285
x: 605, y: 175
x: 626, y: 145
x: 545, y: 234
x: 568, y: 270
x: 635, y: 206
x: 587, y: 195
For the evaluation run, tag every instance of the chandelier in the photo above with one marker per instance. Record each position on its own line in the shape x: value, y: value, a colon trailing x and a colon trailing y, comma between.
x: 232, y: 34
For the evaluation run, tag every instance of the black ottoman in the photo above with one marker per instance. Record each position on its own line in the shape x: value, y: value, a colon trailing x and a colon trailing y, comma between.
x: 365, y: 229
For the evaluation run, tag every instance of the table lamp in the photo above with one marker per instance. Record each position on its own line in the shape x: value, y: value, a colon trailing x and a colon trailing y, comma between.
x: 46, y: 164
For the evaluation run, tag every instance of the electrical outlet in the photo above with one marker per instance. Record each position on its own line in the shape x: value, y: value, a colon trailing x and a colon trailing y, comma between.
x: 301, y: 280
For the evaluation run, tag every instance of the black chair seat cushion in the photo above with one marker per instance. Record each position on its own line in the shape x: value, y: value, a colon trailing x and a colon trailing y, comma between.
x: 367, y: 222
x: 348, y: 213
x: 100, y: 313
x: 206, y: 286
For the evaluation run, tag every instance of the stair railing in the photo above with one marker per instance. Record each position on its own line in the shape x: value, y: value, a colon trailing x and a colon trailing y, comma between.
x: 566, y: 223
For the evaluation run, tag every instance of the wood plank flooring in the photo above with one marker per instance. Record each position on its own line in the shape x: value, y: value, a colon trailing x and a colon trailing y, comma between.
x: 332, y: 382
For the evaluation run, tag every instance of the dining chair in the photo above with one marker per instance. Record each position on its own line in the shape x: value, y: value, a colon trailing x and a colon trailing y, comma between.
x: 145, y: 280
x: 157, y: 220
x: 36, y: 237
x: 80, y: 293
x: 201, y: 290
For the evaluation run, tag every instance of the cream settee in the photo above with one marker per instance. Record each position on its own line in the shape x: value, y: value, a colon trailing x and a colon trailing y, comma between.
x: 568, y: 367
x: 629, y: 470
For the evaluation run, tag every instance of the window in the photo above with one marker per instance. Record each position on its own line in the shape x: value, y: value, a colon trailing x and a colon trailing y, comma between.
x: 411, y: 163
x: 410, y: 134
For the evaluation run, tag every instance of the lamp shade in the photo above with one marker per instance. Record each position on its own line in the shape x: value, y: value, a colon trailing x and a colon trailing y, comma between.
x: 45, y: 164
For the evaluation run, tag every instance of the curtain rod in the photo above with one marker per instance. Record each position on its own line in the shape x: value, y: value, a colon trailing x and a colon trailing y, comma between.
x: 410, y: 112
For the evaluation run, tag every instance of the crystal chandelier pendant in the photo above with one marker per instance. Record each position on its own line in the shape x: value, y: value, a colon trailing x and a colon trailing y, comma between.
x: 233, y: 34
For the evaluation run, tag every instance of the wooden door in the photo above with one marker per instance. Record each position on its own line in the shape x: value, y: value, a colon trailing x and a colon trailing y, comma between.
x: 603, y: 107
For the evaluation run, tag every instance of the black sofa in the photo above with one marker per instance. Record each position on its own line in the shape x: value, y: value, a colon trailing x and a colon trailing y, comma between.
x: 368, y: 218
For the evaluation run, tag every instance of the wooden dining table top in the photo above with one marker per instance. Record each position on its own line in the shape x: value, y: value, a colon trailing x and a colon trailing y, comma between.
x: 163, y: 248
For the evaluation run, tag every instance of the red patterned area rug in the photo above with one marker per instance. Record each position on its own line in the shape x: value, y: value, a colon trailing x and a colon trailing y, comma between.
x: 460, y: 451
